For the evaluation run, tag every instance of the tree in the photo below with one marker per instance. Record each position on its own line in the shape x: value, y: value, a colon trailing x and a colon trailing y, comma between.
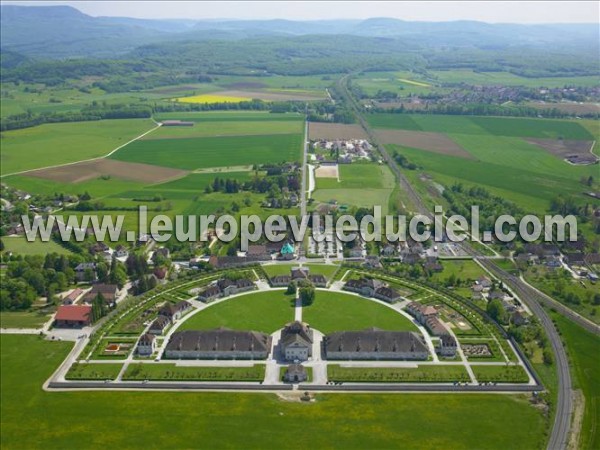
x: 291, y: 288
x: 548, y: 356
x: 98, y: 307
x: 496, y: 310
x: 307, y: 295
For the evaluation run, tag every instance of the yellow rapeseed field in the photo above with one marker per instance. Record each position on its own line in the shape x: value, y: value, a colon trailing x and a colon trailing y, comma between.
x: 212, y: 98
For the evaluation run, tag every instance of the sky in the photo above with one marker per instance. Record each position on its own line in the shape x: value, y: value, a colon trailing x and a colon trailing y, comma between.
x: 492, y: 11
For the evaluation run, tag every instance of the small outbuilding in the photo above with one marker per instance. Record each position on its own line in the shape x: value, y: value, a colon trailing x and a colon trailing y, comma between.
x: 295, y: 373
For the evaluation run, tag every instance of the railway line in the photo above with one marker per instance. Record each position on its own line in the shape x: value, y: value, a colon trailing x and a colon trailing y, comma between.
x: 533, y: 298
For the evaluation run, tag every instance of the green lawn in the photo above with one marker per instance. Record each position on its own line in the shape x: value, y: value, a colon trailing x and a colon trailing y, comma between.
x: 500, y: 374
x: 22, y: 319
x: 463, y: 269
x: 60, y: 143
x: 195, y: 153
x: 437, y: 374
x: 327, y: 270
x: 32, y: 418
x: 337, y: 311
x: 170, y: 372
x: 84, y: 371
x: 260, y: 311
x: 21, y: 246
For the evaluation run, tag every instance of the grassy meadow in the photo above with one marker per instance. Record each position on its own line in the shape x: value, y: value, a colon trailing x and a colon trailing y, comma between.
x: 60, y: 143
x: 90, y: 420
x: 196, y: 153
x: 361, y: 184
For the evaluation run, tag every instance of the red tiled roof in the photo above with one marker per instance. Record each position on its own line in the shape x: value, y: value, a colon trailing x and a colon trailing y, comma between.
x: 73, y: 313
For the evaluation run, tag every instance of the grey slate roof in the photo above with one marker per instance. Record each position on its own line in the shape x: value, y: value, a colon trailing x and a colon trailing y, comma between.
x: 219, y: 340
x: 374, y: 340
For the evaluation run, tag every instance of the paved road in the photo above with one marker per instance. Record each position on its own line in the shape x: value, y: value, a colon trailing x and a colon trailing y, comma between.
x: 531, y: 297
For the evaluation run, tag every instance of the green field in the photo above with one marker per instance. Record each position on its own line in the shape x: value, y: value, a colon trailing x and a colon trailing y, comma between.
x: 359, y: 176
x: 60, y: 143
x: 337, y: 311
x: 531, y: 185
x: 506, y: 78
x: 259, y: 311
x: 229, y: 124
x: 20, y: 245
x: 361, y: 185
x: 499, y: 126
x: 228, y: 420
x: 195, y: 153
x: 229, y: 116
x: 582, y: 348
x: 500, y: 374
x: 23, y: 319
x: 171, y: 372
x: 83, y: 371
x: 420, y: 374
x: 198, y: 181
x: 463, y: 269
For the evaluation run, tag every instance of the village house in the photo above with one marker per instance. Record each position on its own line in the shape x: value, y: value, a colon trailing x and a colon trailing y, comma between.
x: 296, y: 341
x: 295, y: 373
x: 159, y: 325
x: 86, y: 272
x: 73, y: 316
x: 447, y: 346
x: 374, y: 344
x: 303, y: 273
x: 364, y: 286
x: 280, y: 280
x: 371, y: 287
x: 421, y: 312
x: 574, y: 259
x: 72, y: 296
x: 427, y: 316
x: 518, y: 319
x: 121, y: 251
x: 175, y: 311
x: 224, y: 288
x: 485, y: 282
x: 259, y: 252
x: 161, y: 252
x: 432, y: 264
x: 146, y: 345
x: 389, y: 250
x: 220, y: 343
x: 108, y: 292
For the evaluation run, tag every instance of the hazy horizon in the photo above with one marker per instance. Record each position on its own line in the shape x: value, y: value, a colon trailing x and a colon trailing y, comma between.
x: 532, y: 12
